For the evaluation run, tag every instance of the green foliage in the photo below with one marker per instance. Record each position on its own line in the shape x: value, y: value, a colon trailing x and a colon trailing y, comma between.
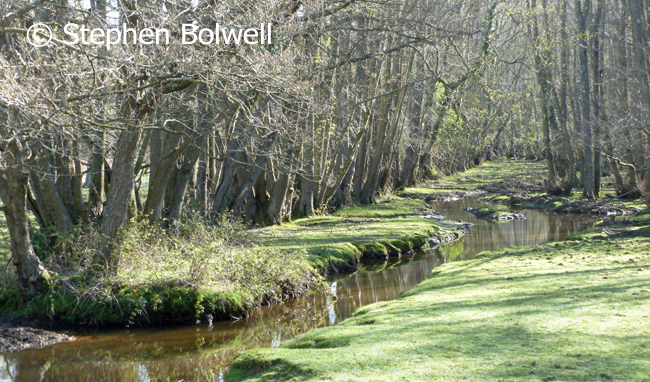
x: 122, y: 305
x: 164, y: 277
x: 372, y: 249
x: 486, y: 211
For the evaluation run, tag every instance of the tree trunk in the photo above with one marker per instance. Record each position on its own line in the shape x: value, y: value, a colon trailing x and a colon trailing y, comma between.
x: 30, y: 272
x: 306, y: 200
x: 96, y: 194
x: 370, y: 187
x: 159, y: 180
x: 119, y: 195
x: 582, y: 13
x: 597, y: 102
x: 279, y: 191
x: 77, y: 185
x: 543, y: 81
x: 48, y: 199
x: 621, y: 53
x: 360, y: 165
x: 182, y: 180
x: 640, y: 61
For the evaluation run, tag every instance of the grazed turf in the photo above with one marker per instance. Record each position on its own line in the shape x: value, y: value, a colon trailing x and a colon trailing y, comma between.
x: 348, y: 233
x: 519, y: 173
x: 572, y: 311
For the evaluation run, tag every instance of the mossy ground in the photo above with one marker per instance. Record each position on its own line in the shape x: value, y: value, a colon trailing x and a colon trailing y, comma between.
x: 608, y: 196
x: 577, y: 310
x: 340, y: 239
x: 524, y: 173
x: 521, y: 176
x: 125, y: 306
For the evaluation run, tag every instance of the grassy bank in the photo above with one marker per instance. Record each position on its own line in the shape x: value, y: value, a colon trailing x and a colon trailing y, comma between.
x: 199, y: 272
x: 197, y: 276
x: 521, y: 183
x: 578, y: 310
x: 393, y: 226
x: 519, y: 174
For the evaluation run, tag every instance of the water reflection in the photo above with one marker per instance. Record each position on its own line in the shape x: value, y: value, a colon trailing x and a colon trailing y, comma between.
x: 204, y: 353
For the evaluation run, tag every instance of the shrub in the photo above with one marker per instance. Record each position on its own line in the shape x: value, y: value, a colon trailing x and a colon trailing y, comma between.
x: 164, y: 276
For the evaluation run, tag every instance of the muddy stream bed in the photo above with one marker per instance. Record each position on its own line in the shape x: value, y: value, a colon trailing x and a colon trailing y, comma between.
x: 203, y: 353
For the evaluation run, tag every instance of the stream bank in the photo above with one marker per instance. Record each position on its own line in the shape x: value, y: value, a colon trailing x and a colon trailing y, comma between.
x: 572, y: 310
x: 518, y: 184
x: 18, y: 338
x: 327, y: 244
x: 208, y: 350
x: 611, y: 206
x: 204, y: 352
x: 336, y: 243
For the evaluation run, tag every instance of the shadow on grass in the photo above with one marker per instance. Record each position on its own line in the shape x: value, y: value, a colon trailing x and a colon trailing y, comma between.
x: 482, y: 320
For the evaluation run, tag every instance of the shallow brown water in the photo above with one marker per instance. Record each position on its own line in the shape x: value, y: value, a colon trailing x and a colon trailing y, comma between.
x: 202, y: 353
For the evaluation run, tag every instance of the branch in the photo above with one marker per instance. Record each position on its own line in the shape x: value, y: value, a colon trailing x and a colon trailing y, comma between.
x: 325, y: 12
x: 311, y: 17
x: 13, y: 16
x: 618, y: 161
x: 371, y: 55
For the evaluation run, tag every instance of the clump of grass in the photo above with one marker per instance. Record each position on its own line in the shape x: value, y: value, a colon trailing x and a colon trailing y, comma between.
x: 373, y: 249
x: 213, y: 256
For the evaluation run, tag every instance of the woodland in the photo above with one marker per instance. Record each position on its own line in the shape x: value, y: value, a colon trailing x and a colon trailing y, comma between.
x: 152, y: 184
x: 138, y: 170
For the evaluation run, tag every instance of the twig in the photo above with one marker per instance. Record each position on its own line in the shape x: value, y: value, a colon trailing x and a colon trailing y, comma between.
x: 332, y: 264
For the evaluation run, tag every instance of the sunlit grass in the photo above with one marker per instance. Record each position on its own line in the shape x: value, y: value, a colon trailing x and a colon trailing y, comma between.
x: 337, y: 238
x: 494, y: 172
x: 572, y: 311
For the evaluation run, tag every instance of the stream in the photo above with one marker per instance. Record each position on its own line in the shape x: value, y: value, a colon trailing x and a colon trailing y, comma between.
x: 203, y: 353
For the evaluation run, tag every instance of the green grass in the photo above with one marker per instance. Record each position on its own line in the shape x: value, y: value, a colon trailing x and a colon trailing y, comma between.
x: 578, y: 310
x: 423, y: 190
x: 386, y: 207
x: 507, y: 172
x: 608, y: 196
x: 340, y: 239
x: 492, y: 213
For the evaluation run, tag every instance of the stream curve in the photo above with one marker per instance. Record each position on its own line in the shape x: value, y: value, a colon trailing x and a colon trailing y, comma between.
x: 203, y: 353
